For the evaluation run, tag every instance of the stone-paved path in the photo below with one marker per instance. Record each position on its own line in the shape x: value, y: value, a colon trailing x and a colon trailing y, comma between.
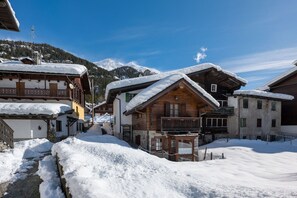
x: 27, y: 187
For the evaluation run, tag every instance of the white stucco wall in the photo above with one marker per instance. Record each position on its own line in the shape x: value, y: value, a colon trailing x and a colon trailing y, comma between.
x: 32, y: 83
x: 291, y: 129
x: 119, y: 113
x: 22, y: 128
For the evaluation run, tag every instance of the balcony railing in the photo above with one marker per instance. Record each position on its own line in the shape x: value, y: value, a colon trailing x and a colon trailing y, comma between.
x: 12, y: 92
x: 180, y: 124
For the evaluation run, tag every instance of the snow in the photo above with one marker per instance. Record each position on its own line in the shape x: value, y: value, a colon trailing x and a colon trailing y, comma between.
x: 161, y: 85
x: 156, y: 77
x: 13, y: 13
x: 284, y: 75
x: 12, y: 160
x: 104, y: 166
x: 50, y: 187
x: 263, y: 94
x: 103, y: 118
x: 53, y: 68
x: 32, y: 108
x: 111, y: 64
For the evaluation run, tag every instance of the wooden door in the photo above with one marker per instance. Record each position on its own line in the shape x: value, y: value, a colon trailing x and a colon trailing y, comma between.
x: 53, y: 89
x: 20, y: 88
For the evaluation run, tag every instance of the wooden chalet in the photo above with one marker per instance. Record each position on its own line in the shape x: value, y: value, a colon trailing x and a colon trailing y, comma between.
x: 8, y: 21
x: 103, y: 108
x: 287, y: 84
x: 167, y: 116
x: 46, y: 83
x: 213, y: 79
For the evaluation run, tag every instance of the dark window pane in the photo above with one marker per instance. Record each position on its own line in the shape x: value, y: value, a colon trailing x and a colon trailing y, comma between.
x: 245, y: 103
x: 259, y: 122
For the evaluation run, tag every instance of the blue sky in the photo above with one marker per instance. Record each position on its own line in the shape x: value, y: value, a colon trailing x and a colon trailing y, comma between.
x: 256, y: 39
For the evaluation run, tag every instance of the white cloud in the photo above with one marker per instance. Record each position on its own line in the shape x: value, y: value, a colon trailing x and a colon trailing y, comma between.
x: 201, y: 54
x: 268, y: 60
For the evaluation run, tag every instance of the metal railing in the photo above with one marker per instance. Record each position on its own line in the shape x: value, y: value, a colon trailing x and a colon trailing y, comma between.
x: 6, y: 134
x: 180, y: 124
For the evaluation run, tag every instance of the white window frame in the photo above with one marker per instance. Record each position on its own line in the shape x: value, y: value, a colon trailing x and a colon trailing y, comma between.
x: 213, y: 88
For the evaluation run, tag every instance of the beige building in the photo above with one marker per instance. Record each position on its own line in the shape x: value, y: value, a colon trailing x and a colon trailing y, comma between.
x: 257, y: 114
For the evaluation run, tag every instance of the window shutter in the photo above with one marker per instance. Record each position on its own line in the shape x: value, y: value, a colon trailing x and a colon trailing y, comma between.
x: 167, y: 109
x: 182, y: 108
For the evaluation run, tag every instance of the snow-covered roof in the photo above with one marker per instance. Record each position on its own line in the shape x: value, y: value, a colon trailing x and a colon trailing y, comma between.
x: 161, y: 85
x: 53, y: 68
x: 33, y: 108
x: 265, y: 94
x: 101, y: 103
x: 7, y: 17
x: 284, y: 75
x: 187, y: 70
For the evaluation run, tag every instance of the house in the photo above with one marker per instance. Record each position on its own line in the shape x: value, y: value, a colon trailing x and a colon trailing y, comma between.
x: 212, y: 78
x: 166, y: 115
x: 56, y: 90
x: 8, y: 21
x: 257, y: 114
x: 103, y: 108
x: 286, y: 83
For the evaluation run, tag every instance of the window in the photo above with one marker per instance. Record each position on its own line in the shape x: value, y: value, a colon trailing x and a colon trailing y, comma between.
x: 208, y: 122
x: 224, y: 122
x: 129, y: 96
x: 216, y: 122
x: 273, y: 123
x: 213, y: 88
x: 242, y: 122
x: 223, y: 103
x: 259, y: 104
x: 174, y: 110
x: 259, y: 122
x: 58, y: 125
x: 245, y: 103
x: 158, y: 144
x: 273, y: 106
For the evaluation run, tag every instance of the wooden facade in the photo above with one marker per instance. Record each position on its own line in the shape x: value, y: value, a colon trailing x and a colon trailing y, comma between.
x: 103, y: 108
x: 287, y: 85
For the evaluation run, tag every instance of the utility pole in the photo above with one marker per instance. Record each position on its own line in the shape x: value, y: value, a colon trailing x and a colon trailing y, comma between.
x: 92, y: 77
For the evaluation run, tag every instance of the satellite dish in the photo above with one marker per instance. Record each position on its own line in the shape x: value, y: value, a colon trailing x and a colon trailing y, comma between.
x: 71, y: 86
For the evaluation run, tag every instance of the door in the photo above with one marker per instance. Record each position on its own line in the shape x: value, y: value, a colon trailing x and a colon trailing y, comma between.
x: 20, y: 88
x: 53, y: 89
x: 137, y: 140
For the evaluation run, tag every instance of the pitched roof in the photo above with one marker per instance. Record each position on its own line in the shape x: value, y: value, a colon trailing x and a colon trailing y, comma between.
x: 279, y: 78
x: 16, y: 108
x: 8, y: 20
x: 49, y: 68
x: 263, y: 94
x: 158, y: 87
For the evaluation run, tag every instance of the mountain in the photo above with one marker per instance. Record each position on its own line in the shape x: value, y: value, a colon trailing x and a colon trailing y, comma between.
x: 112, y: 64
x: 17, y: 49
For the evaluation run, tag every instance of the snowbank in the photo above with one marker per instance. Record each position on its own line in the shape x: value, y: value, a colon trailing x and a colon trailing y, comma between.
x: 15, y: 159
x: 50, y: 187
x: 103, y: 166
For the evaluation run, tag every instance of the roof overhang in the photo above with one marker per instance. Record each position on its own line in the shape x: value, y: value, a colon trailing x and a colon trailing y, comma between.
x: 8, y: 21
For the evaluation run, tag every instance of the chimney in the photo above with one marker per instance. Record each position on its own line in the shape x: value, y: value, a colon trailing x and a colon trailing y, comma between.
x: 37, y: 57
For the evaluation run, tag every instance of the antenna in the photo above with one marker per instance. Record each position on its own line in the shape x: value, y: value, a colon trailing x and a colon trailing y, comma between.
x: 32, y: 41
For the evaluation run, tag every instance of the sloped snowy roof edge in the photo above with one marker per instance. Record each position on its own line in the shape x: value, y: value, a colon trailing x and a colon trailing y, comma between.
x: 265, y: 94
x: 163, y: 84
x: 156, y: 77
x: 278, y: 78
x: 7, y: 108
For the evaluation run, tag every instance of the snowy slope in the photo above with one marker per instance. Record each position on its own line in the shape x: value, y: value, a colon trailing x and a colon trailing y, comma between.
x: 103, y: 166
x: 111, y: 64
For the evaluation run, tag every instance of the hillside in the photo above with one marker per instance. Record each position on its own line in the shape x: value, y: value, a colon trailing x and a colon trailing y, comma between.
x: 16, y: 49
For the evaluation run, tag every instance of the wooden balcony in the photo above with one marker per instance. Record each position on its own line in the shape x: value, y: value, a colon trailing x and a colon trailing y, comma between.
x: 180, y: 124
x: 34, y: 93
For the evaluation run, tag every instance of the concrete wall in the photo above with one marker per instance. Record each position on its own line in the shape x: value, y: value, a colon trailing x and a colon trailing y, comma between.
x: 289, y: 129
x: 22, y: 128
x: 252, y: 114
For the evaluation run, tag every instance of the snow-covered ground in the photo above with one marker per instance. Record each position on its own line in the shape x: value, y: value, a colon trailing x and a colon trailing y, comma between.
x: 103, y: 166
x: 16, y: 160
